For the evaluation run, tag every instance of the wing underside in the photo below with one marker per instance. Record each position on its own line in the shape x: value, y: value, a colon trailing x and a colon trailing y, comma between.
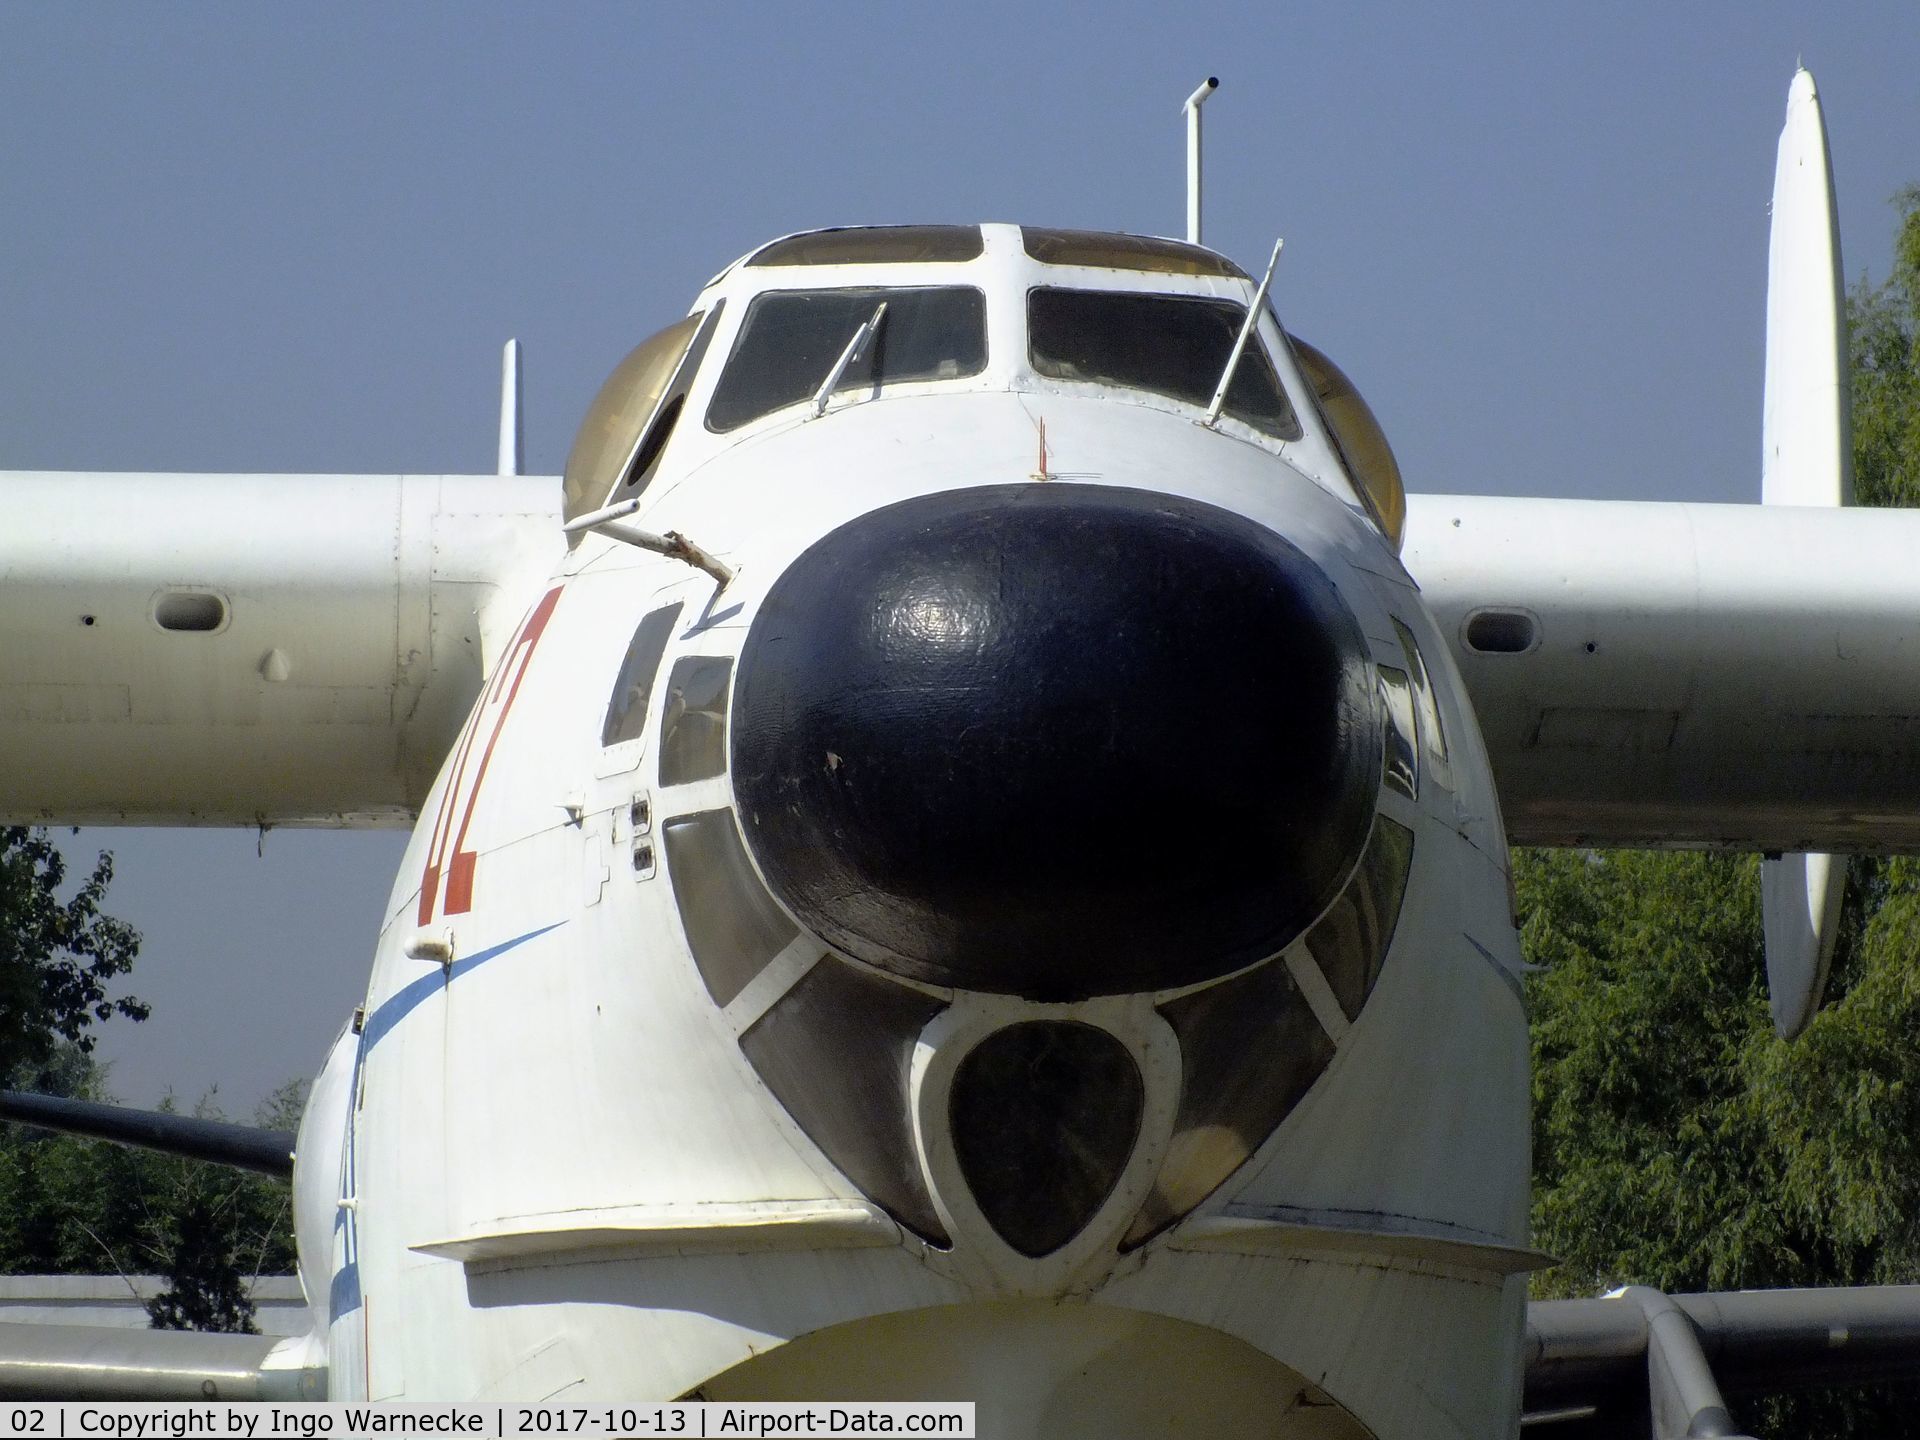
x: 250, y: 649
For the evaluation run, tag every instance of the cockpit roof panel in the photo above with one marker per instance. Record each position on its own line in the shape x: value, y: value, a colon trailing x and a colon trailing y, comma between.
x: 873, y: 245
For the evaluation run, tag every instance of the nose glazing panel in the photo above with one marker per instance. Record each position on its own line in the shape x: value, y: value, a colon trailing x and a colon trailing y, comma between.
x: 837, y: 1050
x: 1045, y: 1114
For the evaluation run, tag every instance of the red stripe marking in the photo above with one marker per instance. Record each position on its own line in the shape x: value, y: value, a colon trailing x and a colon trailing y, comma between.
x: 443, y: 823
x: 459, y: 876
x: 460, y: 873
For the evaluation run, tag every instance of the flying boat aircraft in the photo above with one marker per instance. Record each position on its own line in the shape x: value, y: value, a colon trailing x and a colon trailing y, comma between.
x: 960, y: 851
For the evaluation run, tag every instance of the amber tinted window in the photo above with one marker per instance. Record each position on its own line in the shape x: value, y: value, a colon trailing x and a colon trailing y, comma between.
x: 874, y: 245
x: 693, y: 720
x: 627, y: 709
x: 1357, y: 436
x: 1176, y: 345
x: 615, y: 440
x: 791, y: 338
x: 1107, y: 251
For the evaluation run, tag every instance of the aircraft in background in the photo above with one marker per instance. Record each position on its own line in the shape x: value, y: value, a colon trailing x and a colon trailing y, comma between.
x: 960, y: 851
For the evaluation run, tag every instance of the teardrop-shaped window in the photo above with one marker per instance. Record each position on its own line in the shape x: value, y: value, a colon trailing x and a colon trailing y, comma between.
x: 1357, y: 436
x: 628, y: 424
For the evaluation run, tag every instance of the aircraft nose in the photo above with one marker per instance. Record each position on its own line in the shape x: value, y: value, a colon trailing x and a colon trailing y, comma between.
x: 1055, y: 740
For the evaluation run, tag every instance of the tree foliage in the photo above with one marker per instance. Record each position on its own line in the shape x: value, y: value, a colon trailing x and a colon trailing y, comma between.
x: 1677, y: 1141
x: 1885, y: 323
x: 57, y: 956
x: 73, y: 1206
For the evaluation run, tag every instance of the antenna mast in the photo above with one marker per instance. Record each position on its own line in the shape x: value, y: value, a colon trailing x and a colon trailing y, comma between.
x: 512, y: 452
x: 1192, y: 107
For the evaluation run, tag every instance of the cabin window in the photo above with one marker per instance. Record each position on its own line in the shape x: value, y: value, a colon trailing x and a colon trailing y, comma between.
x: 1045, y: 1115
x: 693, y: 722
x: 627, y: 709
x: 630, y: 420
x: 1350, y: 941
x: 1173, y: 345
x: 791, y: 339
x: 1402, y: 764
x: 1431, y: 732
x: 1357, y: 437
x: 1250, y: 1046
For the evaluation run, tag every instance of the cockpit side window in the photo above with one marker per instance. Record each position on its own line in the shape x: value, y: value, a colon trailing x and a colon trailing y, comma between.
x: 1174, y: 345
x: 630, y: 421
x: 790, y: 340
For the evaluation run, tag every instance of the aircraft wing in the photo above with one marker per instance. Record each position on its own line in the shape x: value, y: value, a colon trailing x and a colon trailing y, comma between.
x: 251, y: 649
x: 1645, y: 673
x: 1652, y: 674
x: 1614, y: 1364
x: 101, y: 1362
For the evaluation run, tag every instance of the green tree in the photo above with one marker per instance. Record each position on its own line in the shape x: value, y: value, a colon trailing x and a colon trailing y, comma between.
x: 73, y: 1206
x: 1885, y: 322
x: 1677, y: 1141
x: 57, y: 956
x: 214, y: 1230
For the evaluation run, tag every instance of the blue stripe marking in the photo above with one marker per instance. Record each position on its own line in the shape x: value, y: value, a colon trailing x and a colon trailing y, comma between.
x: 343, y: 1296
x: 404, y: 1001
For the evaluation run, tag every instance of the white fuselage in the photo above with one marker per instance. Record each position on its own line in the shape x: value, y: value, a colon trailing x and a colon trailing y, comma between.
x: 562, y: 1176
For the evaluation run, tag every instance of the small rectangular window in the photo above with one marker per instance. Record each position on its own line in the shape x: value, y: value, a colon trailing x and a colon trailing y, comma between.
x: 790, y: 340
x: 1173, y: 345
x: 693, y: 720
x: 1430, y: 730
x: 627, y: 709
x: 1402, y: 760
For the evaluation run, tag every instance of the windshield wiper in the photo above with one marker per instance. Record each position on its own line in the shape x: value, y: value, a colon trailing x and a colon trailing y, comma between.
x: 855, y: 347
x: 1240, y: 340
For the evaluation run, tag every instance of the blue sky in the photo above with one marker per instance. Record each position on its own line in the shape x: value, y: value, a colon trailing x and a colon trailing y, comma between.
x: 278, y: 239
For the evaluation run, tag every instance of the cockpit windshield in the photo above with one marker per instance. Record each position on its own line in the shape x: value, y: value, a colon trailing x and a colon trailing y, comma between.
x: 791, y: 339
x: 1174, y: 345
